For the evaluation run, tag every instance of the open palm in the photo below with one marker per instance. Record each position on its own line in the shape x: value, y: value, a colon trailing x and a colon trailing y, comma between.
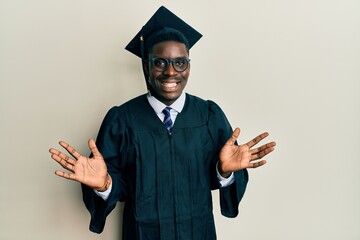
x: 234, y: 157
x: 89, y: 171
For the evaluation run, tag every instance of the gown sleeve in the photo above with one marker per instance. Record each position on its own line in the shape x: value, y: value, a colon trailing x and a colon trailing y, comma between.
x: 109, y: 141
x: 221, y: 131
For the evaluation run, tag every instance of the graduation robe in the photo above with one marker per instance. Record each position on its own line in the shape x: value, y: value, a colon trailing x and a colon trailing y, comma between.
x: 165, y: 180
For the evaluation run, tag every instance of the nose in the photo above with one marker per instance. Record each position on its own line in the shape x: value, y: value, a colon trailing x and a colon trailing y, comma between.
x: 170, y: 71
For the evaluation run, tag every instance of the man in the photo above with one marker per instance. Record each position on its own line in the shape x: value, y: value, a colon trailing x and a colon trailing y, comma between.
x: 163, y: 152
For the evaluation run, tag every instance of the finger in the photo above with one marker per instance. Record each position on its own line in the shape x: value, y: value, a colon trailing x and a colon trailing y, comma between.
x: 70, y: 149
x: 267, y: 150
x: 54, y: 151
x: 257, y: 139
x: 263, y: 150
x: 64, y: 162
x: 62, y: 155
x: 257, y: 164
x: 234, y: 136
x: 93, y: 148
x: 261, y: 154
x: 66, y: 175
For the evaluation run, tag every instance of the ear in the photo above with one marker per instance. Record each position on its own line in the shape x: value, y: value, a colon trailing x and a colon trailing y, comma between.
x: 146, y: 67
x: 146, y: 73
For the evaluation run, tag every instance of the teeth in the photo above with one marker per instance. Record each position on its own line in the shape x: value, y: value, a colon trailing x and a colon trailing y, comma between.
x: 169, y: 84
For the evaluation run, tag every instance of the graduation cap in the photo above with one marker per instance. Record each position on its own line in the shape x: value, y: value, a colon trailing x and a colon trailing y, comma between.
x: 166, y: 21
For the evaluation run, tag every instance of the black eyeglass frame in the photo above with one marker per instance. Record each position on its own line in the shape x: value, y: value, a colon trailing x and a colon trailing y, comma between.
x: 168, y: 61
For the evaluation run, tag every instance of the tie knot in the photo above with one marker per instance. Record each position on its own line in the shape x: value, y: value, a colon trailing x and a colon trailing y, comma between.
x: 166, y: 111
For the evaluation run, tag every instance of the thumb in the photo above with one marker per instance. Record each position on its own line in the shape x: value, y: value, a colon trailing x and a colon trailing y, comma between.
x: 93, y: 148
x: 234, y: 136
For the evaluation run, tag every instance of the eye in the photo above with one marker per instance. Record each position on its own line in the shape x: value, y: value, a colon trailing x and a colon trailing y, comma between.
x: 180, y: 62
x: 160, y: 63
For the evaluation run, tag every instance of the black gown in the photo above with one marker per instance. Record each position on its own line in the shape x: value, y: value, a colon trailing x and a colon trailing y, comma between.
x: 165, y: 180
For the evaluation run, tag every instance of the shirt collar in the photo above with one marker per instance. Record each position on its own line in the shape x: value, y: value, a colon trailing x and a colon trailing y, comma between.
x: 158, y: 106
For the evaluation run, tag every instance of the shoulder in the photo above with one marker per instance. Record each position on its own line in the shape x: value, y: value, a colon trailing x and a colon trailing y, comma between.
x: 134, y: 103
x: 123, y: 111
x: 197, y: 102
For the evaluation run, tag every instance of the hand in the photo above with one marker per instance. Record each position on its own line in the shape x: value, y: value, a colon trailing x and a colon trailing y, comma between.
x: 234, y: 158
x: 89, y: 171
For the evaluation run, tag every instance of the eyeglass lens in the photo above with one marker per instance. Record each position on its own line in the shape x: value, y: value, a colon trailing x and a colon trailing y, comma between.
x: 179, y: 64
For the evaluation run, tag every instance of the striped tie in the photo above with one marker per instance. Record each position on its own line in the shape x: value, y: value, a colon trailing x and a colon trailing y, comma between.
x: 167, y: 119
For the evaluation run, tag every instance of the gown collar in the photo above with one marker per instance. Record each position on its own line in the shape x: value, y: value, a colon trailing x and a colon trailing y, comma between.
x: 158, y: 106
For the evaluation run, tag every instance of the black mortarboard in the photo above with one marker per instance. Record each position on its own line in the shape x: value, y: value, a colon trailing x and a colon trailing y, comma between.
x: 162, y: 19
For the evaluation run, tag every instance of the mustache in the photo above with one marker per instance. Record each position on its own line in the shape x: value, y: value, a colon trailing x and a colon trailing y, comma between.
x: 161, y: 79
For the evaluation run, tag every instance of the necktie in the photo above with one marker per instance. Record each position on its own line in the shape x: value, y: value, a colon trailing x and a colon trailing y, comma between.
x: 167, y: 119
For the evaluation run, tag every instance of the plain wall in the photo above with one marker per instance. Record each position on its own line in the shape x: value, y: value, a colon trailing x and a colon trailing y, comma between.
x: 288, y: 67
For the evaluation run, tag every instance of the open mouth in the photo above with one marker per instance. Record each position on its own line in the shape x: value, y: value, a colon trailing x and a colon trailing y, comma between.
x: 169, y: 86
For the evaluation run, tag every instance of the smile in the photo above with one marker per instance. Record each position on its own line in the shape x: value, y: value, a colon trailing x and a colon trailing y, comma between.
x: 169, y: 85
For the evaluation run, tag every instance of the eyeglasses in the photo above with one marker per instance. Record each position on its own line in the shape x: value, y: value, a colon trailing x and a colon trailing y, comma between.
x: 161, y: 64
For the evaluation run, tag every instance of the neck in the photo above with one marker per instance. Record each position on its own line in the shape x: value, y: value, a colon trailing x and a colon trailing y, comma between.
x: 165, y: 101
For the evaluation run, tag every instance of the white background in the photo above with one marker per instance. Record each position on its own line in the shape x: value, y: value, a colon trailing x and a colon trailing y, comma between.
x: 288, y: 67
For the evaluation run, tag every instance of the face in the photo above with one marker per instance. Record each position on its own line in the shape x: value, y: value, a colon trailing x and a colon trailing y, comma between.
x: 168, y: 85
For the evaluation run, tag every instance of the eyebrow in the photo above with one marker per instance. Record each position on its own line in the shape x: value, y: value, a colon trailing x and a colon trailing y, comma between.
x: 156, y: 56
